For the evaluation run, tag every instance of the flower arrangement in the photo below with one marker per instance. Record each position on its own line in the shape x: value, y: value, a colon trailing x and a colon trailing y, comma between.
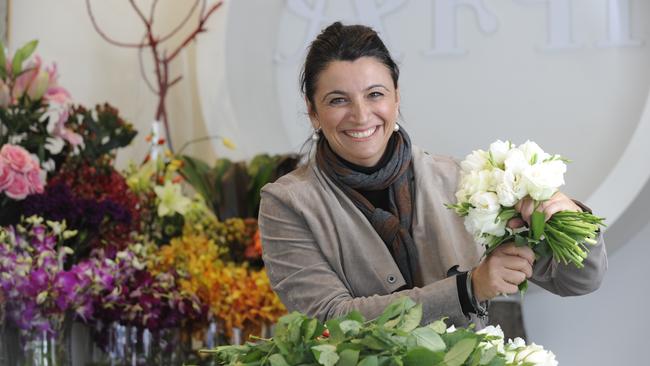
x: 38, y: 290
x: 393, y: 338
x: 20, y: 173
x: 491, y: 184
x: 33, y: 107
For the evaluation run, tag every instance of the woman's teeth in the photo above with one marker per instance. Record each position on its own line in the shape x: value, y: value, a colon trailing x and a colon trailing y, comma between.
x: 361, y: 134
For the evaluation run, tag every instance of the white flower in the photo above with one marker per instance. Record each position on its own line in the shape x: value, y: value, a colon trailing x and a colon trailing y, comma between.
x: 482, y: 219
x: 491, y: 330
x: 171, y: 199
x: 543, y: 180
x: 494, y: 332
x: 477, y: 160
x: 534, y: 355
x: 498, y: 150
x: 515, y: 161
x: 451, y: 329
x: 476, y: 181
x: 509, y: 187
x: 532, y: 152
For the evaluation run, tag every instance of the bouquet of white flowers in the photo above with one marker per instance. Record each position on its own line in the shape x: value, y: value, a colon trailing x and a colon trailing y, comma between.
x: 492, y: 182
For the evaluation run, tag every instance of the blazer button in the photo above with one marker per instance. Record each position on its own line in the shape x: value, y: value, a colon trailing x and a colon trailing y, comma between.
x: 391, y: 279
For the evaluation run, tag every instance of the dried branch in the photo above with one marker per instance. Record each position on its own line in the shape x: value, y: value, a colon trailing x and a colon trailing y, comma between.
x: 143, y: 72
x: 161, y: 60
x: 199, y: 29
x: 105, y: 36
x: 182, y: 23
x: 139, y: 12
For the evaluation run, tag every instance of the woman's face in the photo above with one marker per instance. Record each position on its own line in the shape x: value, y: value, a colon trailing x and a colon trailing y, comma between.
x: 356, y: 106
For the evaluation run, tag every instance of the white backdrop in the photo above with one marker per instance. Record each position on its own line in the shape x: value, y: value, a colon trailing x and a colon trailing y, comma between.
x: 517, y: 69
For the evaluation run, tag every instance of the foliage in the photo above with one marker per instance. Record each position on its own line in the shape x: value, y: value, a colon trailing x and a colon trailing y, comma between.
x: 394, y: 338
x: 233, y: 188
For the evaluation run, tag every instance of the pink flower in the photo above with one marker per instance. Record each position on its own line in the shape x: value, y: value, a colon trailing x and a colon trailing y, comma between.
x: 6, y: 175
x: 17, y: 158
x: 5, y: 95
x: 57, y: 94
x: 36, y: 181
x: 19, y: 187
x: 65, y: 133
x: 24, y: 81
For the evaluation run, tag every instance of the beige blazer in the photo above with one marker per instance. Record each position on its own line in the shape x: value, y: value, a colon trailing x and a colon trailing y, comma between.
x: 324, y: 258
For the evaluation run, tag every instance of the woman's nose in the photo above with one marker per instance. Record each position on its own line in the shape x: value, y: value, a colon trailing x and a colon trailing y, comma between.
x: 360, y: 112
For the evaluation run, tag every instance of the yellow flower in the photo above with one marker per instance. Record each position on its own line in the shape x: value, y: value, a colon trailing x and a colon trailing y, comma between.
x: 171, y: 199
x: 228, y: 143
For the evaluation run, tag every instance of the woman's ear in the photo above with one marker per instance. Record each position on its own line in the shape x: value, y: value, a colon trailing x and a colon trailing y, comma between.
x: 311, y: 111
x: 397, y: 100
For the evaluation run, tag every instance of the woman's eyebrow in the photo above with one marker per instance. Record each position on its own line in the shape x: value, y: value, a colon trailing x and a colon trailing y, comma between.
x: 344, y: 93
x: 333, y: 92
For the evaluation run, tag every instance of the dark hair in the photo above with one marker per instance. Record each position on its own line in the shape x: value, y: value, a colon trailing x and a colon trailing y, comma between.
x: 340, y: 42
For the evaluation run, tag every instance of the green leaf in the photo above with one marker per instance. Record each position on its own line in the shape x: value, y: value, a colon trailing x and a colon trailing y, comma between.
x: 369, y: 361
x: 277, y: 360
x: 373, y: 343
x: 396, y: 308
x: 439, y: 326
x: 326, y: 354
x: 421, y: 356
x: 336, y: 334
x: 488, y: 355
x: 3, y: 61
x: 460, y: 352
x: 412, y: 318
x: 23, y: 54
x: 537, y: 224
x: 348, y: 357
x: 308, y: 329
x: 350, y: 327
x: 428, y: 338
x: 497, y: 361
x: 523, y: 287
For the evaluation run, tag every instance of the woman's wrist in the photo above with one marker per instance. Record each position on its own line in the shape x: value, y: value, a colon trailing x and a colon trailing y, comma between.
x: 480, y: 307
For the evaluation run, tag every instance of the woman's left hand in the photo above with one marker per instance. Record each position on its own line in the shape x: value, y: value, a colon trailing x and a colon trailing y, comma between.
x: 558, y: 202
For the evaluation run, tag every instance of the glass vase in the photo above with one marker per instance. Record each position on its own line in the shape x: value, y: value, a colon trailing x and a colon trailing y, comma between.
x: 46, y: 349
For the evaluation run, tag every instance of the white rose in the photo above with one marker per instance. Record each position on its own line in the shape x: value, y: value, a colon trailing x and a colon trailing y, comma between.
x: 482, y: 219
x: 476, y: 181
x: 477, y: 160
x: 509, y: 187
x: 494, y: 332
x: 531, y: 149
x: 515, y: 161
x: 536, y: 355
x: 543, y: 180
x: 491, y: 330
x: 499, y: 149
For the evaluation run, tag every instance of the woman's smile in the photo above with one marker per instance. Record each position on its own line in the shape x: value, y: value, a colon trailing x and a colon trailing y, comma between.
x: 361, y: 135
x: 356, y: 107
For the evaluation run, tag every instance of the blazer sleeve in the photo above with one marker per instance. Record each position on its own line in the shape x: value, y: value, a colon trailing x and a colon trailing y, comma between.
x: 305, y: 281
x: 567, y: 279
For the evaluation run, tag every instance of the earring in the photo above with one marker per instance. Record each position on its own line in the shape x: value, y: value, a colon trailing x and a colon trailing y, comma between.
x: 396, y: 128
x: 315, y: 135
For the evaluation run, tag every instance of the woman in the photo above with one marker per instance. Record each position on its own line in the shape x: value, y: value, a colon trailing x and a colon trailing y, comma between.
x: 364, y: 222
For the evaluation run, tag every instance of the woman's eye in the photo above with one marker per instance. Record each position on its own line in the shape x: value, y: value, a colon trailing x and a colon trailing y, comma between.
x: 375, y: 94
x: 335, y: 101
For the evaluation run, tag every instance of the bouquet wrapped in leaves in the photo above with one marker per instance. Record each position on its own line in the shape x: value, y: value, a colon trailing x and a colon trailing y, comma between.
x: 492, y: 182
x: 394, y: 338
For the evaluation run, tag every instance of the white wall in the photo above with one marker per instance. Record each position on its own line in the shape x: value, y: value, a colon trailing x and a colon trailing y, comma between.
x: 584, y: 102
x: 608, y: 327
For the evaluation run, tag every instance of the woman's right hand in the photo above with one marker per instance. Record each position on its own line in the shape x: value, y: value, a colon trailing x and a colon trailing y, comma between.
x: 502, y: 271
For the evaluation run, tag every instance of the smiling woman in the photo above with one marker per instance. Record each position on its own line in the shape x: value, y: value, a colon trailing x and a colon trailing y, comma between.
x: 363, y: 222
x: 356, y: 107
